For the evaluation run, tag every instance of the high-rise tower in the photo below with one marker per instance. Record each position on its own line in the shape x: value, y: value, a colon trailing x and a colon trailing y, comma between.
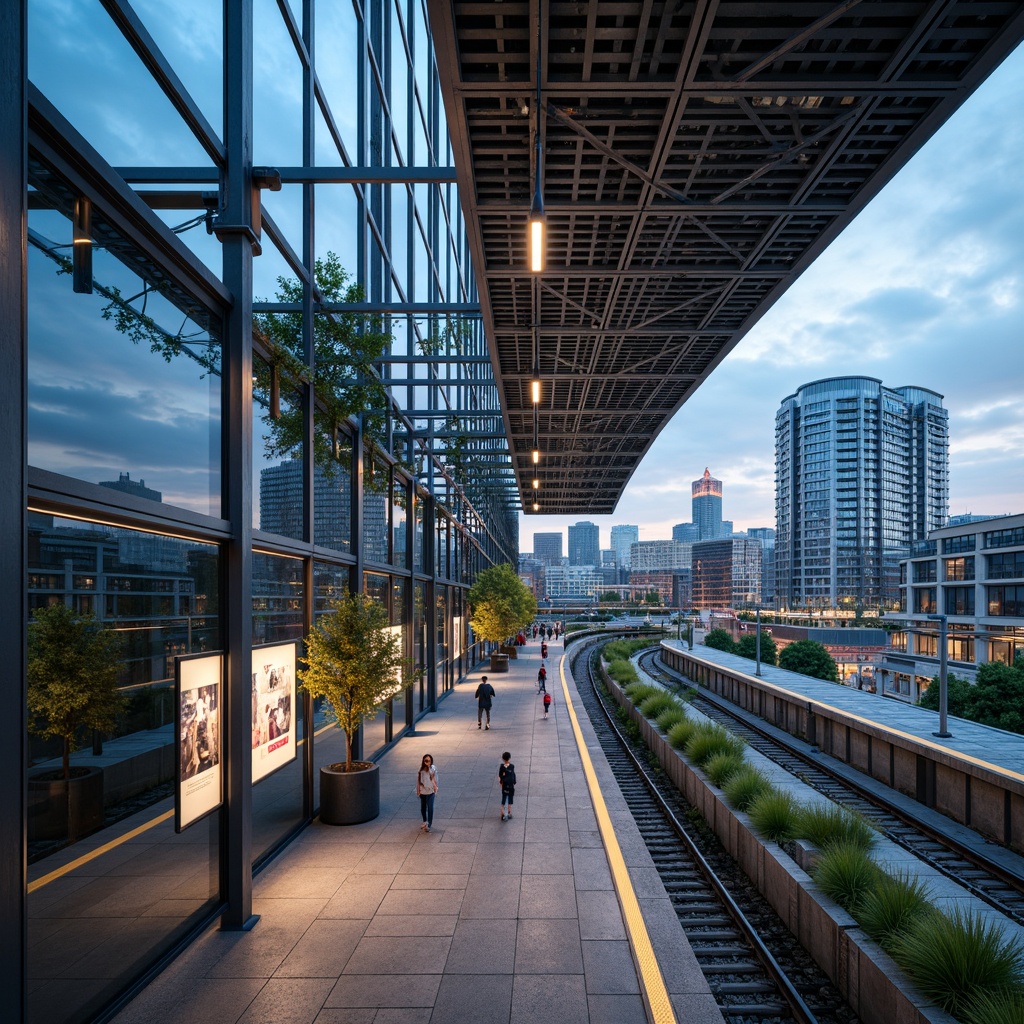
x: 861, y: 473
x: 707, y: 506
x: 584, y: 544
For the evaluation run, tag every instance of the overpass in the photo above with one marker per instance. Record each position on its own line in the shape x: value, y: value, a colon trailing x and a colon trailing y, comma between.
x: 692, y: 159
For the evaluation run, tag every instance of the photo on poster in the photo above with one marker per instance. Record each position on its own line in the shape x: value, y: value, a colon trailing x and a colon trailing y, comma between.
x: 200, y: 787
x: 274, y: 742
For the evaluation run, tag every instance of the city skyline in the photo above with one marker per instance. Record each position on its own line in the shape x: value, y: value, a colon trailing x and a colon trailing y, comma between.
x: 924, y: 288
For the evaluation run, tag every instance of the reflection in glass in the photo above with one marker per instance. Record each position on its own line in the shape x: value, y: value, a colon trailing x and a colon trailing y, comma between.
x: 124, y: 383
x: 93, y: 927
x: 277, y: 597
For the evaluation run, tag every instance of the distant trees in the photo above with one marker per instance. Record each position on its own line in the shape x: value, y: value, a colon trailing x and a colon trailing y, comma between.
x: 809, y: 658
x: 721, y: 640
x: 996, y: 699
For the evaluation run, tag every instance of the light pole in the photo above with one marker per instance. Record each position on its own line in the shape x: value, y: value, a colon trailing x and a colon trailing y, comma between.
x: 757, y: 644
x: 943, y: 732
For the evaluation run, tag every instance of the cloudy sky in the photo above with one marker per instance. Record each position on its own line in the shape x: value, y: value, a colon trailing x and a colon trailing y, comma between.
x: 925, y: 288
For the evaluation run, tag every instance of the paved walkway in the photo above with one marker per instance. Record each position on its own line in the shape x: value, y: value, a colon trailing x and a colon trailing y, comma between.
x: 481, y: 921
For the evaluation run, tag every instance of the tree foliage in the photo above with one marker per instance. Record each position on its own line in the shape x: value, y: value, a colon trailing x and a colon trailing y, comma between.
x: 720, y: 640
x: 345, y: 382
x: 73, y: 662
x: 747, y: 647
x: 500, y: 603
x: 809, y: 658
x: 353, y: 661
x: 996, y: 699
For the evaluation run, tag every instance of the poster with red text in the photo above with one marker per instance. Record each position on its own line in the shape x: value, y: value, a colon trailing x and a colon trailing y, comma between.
x: 273, y: 709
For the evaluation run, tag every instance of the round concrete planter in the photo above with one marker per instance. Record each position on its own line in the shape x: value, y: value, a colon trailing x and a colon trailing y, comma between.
x: 65, y: 808
x: 348, y: 798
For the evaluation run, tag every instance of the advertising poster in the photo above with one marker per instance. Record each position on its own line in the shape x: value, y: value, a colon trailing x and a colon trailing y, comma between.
x: 200, y: 788
x: 273, y: 709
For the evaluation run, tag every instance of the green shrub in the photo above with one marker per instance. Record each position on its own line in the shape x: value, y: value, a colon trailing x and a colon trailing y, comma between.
x: 1000, y: 1008
x: 826, y: 825
x: 773, y: 814
x: 622, y: 672
x: 709, y: 740
x: 723, y: 767
x: 957, y: 958
x: 891, y: 905
x: 651, y: 707
x: 846, y: 874
x: 680, y: 733
x: 669, y: 717
x: 745, y: 787
x: 638, y: 691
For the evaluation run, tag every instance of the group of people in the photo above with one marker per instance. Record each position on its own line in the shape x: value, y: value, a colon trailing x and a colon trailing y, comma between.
x: 549, y: 630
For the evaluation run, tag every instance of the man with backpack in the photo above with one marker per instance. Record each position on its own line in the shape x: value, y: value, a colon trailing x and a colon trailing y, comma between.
x: 507, y: 780
x: 483, y: 695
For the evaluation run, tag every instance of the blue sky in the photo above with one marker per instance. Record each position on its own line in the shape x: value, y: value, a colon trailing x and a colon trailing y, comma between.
x: 925, y: 287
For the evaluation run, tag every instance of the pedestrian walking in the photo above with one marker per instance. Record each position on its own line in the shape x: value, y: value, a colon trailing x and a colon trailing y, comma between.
x: 426, y: 789
x: 507, y: 780
x: 542, y: 679
x: 547, y: 702
x: 483, y: 695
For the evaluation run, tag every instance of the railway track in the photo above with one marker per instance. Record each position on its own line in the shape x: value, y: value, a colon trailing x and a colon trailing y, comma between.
x: 968, y: 867
x: 757, y: 971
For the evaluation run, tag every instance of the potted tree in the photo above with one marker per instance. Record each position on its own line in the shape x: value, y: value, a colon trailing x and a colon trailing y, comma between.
x: 500, y: 604
x: 354, y: 662
x: 73, y: 662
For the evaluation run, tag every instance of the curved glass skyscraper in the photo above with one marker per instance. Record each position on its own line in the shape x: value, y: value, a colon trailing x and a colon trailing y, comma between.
x: 861, y: 472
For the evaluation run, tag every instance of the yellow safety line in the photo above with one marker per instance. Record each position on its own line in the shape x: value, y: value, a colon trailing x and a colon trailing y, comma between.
x: 655, y: 995
x: 98, y: 852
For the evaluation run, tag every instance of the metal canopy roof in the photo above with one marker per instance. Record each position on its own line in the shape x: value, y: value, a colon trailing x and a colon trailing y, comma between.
x: 696, y: 157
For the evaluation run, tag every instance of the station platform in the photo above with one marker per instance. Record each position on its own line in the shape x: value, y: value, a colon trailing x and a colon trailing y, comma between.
x: 536, y: 919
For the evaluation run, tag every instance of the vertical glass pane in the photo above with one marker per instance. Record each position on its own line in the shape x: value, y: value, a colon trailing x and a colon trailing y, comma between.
x: 277, y: 599
x: 376, y: 506
x: 399, y: 524
x: 420, y: 650
x: 124, y: 382
x: 417, y: 534
x: 94, y: 926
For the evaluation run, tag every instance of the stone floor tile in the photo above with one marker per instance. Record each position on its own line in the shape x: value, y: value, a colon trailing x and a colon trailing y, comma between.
x: 412, y: 924
x: 551, y: 999
x: 288, y: 1001
x: 599, y: 915
x: 359, y: 897
x: 394, y: 954
x: 612, y: 1009
x: 608, y: 967
x: 548, y: 946
x: 697, y: 1009
x: 323, y: 950
x: 421, y: 901
x: 491, y: 897
x: 547, y: 896
x: 590, y: 869
x: 383, y: 990
x: 482, y: 947
x: 429, y: 881
x: 473, y: 999
x: 384, y: 858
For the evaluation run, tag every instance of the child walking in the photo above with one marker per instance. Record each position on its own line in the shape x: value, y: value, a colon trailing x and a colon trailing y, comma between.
x: 547, y: 702
x: 507, y: 779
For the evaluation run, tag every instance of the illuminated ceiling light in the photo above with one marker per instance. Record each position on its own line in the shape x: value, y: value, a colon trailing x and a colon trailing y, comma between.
x: 536, y: 507
x: 535, y: 390
x: 537, y: 218
x: 536, y: 484
x: 535, y: 455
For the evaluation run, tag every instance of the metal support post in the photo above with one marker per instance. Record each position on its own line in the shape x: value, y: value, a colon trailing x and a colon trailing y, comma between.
x: 757, y: 644
x: 943, y: 732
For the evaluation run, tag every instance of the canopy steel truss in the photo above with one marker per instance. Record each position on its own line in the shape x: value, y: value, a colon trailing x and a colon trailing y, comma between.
x: 696, y: 158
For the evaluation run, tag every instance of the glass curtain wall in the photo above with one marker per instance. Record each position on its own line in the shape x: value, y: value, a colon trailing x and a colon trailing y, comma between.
x: 234, y: 405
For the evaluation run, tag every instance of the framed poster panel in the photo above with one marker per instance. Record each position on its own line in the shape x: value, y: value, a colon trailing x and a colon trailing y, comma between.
x: 274, y: 742
x: 200, y: 787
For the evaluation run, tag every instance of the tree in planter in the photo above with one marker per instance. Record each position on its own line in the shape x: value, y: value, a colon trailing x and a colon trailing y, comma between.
x: 72, y: 677
x: 747, y: 647
x: 354, y: 661
x: 720, y: 640
x: 809, y: 658
x: 500, y: 604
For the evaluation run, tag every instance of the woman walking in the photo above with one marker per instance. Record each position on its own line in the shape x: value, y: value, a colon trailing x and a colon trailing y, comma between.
x: 426, y: 787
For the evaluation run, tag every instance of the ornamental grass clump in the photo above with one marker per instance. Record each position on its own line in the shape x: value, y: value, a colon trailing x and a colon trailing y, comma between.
x: 891, y: 906
x: 669, y: 717
x: 743, y: 788
x: 957, y: 958
x: 1000, y: 1008
x: 827, y: 824
x: 846, y: 874
x: 774, y: 814
x: 680, y: 733
x: 622, y: 672
x: 638, y: 691
x: 723, y: 767
x: 652, y: 706
x: 709, y: 740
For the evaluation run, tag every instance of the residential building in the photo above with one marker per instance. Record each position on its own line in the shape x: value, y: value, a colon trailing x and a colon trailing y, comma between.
x: 547, y: 548
x: 584, y: 544
x: 622, y: 537
x: 658, y: 555
x: 573, y: 581
x: 861, y: 473
x: 973, y: 574
x: 766, y: 536
x: 707, y: 506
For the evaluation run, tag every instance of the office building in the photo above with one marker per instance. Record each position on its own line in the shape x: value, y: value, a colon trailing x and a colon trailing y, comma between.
x: 547, y: 548
x: 861, y: 474
x: 622, y: 537
x: 765, y: 535
x: 584, y: 544
x: 582, y: 581
x: 658, y: 555
x: 726, y: 574
x: 973, y: 574
x: 707, y: 506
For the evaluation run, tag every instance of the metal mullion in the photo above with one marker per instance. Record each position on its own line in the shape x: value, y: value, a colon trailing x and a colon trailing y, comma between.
x: 283, y: 246
x: 127, y: 21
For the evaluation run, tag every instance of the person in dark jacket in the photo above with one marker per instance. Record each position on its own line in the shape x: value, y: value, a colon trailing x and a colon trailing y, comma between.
x: 484, y: 693
x: 507, y: 780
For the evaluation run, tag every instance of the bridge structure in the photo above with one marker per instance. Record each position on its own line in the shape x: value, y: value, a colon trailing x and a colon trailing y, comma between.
x: 690, y: 160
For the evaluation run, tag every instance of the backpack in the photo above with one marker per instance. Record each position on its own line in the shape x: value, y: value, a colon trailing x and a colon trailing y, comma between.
x: 508, y: 776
